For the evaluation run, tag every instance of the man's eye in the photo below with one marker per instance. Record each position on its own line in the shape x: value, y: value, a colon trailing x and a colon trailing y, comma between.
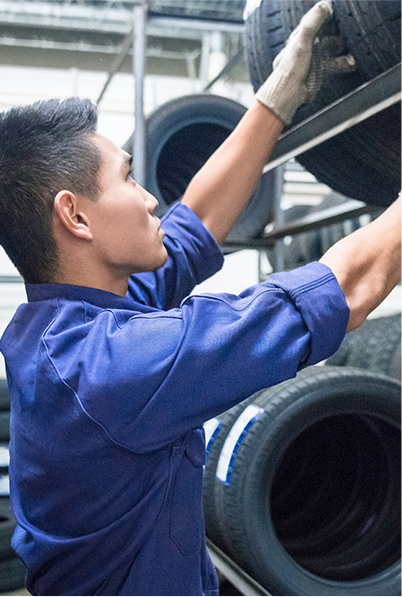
x: 130, y: 174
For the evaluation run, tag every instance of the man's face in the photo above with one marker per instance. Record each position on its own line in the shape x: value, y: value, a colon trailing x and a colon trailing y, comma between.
x: 128, y: 237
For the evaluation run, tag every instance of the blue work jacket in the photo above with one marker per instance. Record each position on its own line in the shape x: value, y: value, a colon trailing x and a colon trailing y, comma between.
x: 108, y: 399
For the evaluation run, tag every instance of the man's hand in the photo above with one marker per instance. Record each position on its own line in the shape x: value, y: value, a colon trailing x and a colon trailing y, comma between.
x: 301, y: 67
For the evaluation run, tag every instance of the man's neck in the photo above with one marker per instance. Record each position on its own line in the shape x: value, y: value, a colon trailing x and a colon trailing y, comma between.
x: 91, y: 280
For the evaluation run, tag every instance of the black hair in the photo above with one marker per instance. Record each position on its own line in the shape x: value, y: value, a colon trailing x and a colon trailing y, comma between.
x: 45, y: 147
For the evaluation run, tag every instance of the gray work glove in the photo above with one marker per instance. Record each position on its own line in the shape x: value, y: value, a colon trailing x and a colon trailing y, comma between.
x: 301, y: 66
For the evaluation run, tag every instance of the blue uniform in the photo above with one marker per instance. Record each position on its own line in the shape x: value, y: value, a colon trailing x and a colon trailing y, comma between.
x: 109, y: 395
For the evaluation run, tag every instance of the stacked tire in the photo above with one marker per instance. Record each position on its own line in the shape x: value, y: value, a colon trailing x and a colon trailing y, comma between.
x: 375, y: 346
x: 306, y: 484
x: 363, y: 162
x: 12, y: 570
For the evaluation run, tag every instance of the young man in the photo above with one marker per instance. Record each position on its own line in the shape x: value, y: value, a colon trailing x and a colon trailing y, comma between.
x: 111, y: 375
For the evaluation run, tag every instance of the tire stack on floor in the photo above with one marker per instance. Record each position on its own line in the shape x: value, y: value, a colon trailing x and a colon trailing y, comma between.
x: 12, y: 570
x: 302, y: 484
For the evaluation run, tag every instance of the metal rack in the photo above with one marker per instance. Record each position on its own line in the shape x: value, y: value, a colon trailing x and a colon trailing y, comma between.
x: 355, y: 107
x: 141, y: 19
x: 233, y: 573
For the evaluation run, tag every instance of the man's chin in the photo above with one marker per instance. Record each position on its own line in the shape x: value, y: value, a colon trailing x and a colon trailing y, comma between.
x: 164, y: 260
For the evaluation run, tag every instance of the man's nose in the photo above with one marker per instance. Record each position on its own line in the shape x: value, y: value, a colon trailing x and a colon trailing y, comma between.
x: 150, y: 200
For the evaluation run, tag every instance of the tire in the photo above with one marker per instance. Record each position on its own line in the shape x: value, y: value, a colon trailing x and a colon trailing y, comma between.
x: 329, y: 235
x: 340, y: 357
x: 373, y: 30
x: 4, y: 459
x: 222, y: 426
x: 4, y: 426
x: 261, y: 39
x: 395, y: 368
x: 303, y: 247
x: 312, y: 506
x: 383, y: 354
x: 367, y: 339
x: 4, y: 396
x: 7, y: 527
x: 12, y: 574
x: 349, y: 163
x: 181, y: 136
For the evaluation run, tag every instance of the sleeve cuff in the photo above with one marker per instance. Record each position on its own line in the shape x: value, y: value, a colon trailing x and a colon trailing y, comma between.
x: 321, y: 302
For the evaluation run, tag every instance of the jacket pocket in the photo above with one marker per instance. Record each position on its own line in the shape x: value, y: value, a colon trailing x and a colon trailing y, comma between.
x: 186, y: 519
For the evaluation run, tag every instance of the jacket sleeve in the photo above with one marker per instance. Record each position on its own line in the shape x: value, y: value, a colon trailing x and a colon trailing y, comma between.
x: 158, y: 375
x: 193, y: 256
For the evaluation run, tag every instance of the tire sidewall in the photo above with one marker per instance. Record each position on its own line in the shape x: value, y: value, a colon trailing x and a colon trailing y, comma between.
x: 177, y: 114
x: 287, y: 577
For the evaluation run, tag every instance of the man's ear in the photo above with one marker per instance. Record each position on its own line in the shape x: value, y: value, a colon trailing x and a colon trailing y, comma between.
x: 69, y: 213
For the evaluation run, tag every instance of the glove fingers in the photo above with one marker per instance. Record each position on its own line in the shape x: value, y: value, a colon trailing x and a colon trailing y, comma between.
x: 313, y: 20
x: 332, y: 45
x: 341, y: 64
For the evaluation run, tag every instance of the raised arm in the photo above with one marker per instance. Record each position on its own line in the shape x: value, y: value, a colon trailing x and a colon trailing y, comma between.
x: 223, y: 187
x: 367, y: 263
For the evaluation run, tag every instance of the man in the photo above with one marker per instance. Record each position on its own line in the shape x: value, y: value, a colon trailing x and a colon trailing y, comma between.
x: 111, y: 375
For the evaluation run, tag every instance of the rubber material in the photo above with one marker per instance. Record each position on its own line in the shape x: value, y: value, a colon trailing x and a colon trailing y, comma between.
x: 4, y: 396
x: 12, y: 570
x: 374, y: 346
x: 212, y: 520
x: 7, y: 527
x: 367, y: 338
x: 313, y: 503
x: 299, y: 249
x: 381, y: 359
x: 395, y: 367
x: 329, y: 235
x: 4, y: 426
x: 12, y: 574
x: 340, y: 357
x: 364, y: 161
